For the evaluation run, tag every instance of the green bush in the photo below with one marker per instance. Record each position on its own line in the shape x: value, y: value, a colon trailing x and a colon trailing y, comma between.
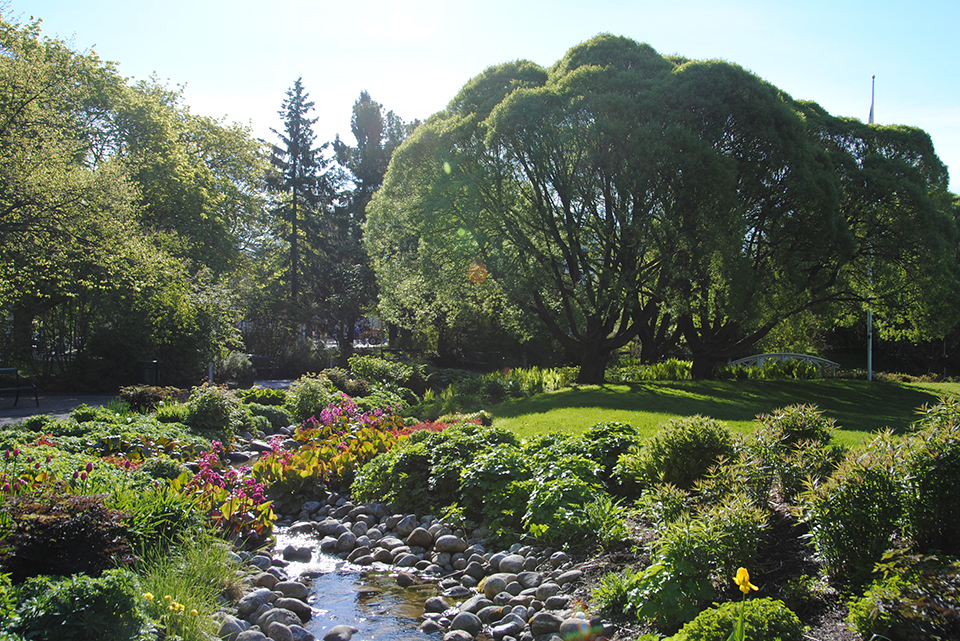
x: 661, y: 504
x: 235, y: 368
x: 917, y: 598
x: 555, y: 509
x: 309, y: 395
x: 932, y: 471
x: 605, y: 443
x: 145, y: 398
x: 263, y: 396
x: 108, y: 608
x: 633, y: 371
x: 492, y: 487
x: 61, y: 534
x: 277, y: 416
x: 764, y: 620
x: 855, y: 514
x: 381, y: 370
x: 216, y: 411
x: 158, y: 517
x: 744, y: 473
x: 796, y: 423
x: 680, y: 453
x: 172, y: 412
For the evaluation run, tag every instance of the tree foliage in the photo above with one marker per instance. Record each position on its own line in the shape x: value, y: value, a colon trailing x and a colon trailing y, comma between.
x: 622, y: 194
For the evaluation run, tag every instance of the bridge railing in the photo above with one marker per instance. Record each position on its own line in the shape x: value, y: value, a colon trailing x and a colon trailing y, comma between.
x: 757, y: 360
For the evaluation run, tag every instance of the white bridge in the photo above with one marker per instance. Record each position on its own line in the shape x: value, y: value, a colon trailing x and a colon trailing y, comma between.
x: 757, y: 360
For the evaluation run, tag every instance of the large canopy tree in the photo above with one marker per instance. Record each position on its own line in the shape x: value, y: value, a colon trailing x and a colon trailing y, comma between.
x: 621, y: 191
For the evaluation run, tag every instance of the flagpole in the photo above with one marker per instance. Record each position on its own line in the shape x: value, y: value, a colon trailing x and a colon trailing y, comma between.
x: 873, y: 83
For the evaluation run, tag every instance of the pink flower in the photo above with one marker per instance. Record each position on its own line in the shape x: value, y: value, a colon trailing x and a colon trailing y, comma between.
x: 76, y: 475
x: 89, y: 466
x: 83, y: 476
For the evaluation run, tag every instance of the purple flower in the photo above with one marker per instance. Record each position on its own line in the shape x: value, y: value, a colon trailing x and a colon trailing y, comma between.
x: 89, y: 466
x: 83, y: 476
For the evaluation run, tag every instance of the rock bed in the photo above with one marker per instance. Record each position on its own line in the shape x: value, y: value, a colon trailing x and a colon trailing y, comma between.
x: 520, y: 594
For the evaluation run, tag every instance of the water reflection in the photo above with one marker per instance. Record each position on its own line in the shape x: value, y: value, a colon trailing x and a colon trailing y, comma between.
x: 367, y: 598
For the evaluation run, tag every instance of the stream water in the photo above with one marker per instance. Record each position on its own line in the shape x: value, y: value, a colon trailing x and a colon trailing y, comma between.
x: 367, y: 598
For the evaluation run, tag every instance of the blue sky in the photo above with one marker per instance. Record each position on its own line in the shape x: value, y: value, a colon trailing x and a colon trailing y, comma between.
x: 237, y: 59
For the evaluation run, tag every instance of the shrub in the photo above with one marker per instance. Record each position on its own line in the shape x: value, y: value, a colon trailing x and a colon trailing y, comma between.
x: 263, y: 396
x: 854, y: 515
x: 605, y: 443
x: 932, y: 471
x: 145, y: 398
x: 214, y: 410
x: 917, y: 598
x: 158, y: 517
x: 108, y: 608
x: 661, y: 504
x: 605, y: 518
x: 795, y: 423
x: 309, y: 395
x: 745, y: 474
x: 612, y: 592
x: 381, y: 370
x: 492, y: 487
x: 236, y: 368
x: 277, y: 417
x: 554, y: 509
x: 680, y: 453
x: 763, y: 618
x: 56, y: 533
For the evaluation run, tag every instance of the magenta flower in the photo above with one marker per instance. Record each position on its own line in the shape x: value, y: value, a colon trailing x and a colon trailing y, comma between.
x: 89, y: 466
x: 83, y: 476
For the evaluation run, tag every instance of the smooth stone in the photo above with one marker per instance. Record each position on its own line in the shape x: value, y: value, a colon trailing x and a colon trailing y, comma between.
x: 405, y: 579
x: 279, y: 632
x: 230, y: 627
x: 503, y: 598
x: 495, y: 560
x: 557, y: 602
x: 544, y: 623
x: 490, y: 614
x: 570, y: 576
x: 436, y: 604
x: 467, y: 621
x: 251, y: 602
x: 457, y: 635
x: 475, y: 604
x: 357, y: 552
x: 511, y: 564
x: 277, y: 615
x: 265, y: 580
x: 363, y: 561
x: 390, y: 543
x: 340, y: 633
x: 493, y: 586
x: 302, y: 634
x: 559, y: 558
x: 457, y: 592
x: 514, y: 588
x: 346, y: 542
x: 302, y: 527
x: 547, y: 590
x: 530, y: 579
x: 251, y: 635
x: 292, y: 590
x: 575, y: 629
x: 406, y: 525
x: 298, y: 607
x: 430, y: 627
x: 475, y: 570
x: 297, y: 553
x: 383, y: 556
x: 450, y: 543
x: 419, y: 537
x: 406, y: 560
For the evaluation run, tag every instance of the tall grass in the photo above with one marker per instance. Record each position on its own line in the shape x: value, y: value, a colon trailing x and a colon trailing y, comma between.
x: 198, y: 574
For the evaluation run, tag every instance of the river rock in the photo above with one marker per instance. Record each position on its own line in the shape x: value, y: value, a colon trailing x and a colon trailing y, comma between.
x: 530, y: 579
x: 450, y: 543
x: 405, y: 579
x: 570, y: 576
x: 302, y: 527
x: 340, y: 633
x: 301, y: 634
x: 457, y: 635
x: 475, y: 570
x: 360, y: 529
x: 419, y: 537
x: 292, y: 590
x: 475, y: 603
x: 277, y: 615
x: 430, y: 627
x: 436, y: 604
x: 327, y: 527
x: 390, y: 543
x: 328, y: 545
x: 514, y: 588
x: 511, y: 564
x: 490, y: 614
x: 544, y: 623
x: 298, y: 607
x: 546, y: 590
x: 230, y: 627
x: 249, y: 603
x: 493, y: 586
x: 495, y: 560
x: 457, y: 592
x: 406, y: 560
x: 360, y: 550
x: 346, y: 542
x: 467, y: 621
x: 559, y: 558
x: 297, y: 553
x: 265, y: 580
x: 575, y: 629
x: 252, y: 635
x: 406, y: 525
x: 279, y: 632
x: 557, y: 602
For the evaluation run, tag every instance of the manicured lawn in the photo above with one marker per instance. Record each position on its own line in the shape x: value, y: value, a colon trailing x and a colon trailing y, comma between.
x: 859, y: 407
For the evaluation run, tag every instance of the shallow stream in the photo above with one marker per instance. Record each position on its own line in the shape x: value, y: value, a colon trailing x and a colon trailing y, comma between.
x: 367, y: 598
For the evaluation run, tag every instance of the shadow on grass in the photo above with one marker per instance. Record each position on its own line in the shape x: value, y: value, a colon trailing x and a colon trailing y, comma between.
x: 856, y: 405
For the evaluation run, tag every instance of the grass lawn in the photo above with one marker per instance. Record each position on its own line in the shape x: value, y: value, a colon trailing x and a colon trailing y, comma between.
x: 859, y: 407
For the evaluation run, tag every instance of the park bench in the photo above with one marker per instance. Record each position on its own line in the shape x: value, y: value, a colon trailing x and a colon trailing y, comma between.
x: 757, y: 360
x: 12, y: 381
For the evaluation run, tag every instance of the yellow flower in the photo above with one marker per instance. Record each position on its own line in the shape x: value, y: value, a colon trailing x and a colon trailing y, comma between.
x: 743, y: 580
x: 148, y: 596
x: 168, y: 598
x: 194, y: 612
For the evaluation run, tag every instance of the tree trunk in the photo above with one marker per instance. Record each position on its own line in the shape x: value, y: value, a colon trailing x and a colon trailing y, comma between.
x: 593, y: 365
x: 702, y: 368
